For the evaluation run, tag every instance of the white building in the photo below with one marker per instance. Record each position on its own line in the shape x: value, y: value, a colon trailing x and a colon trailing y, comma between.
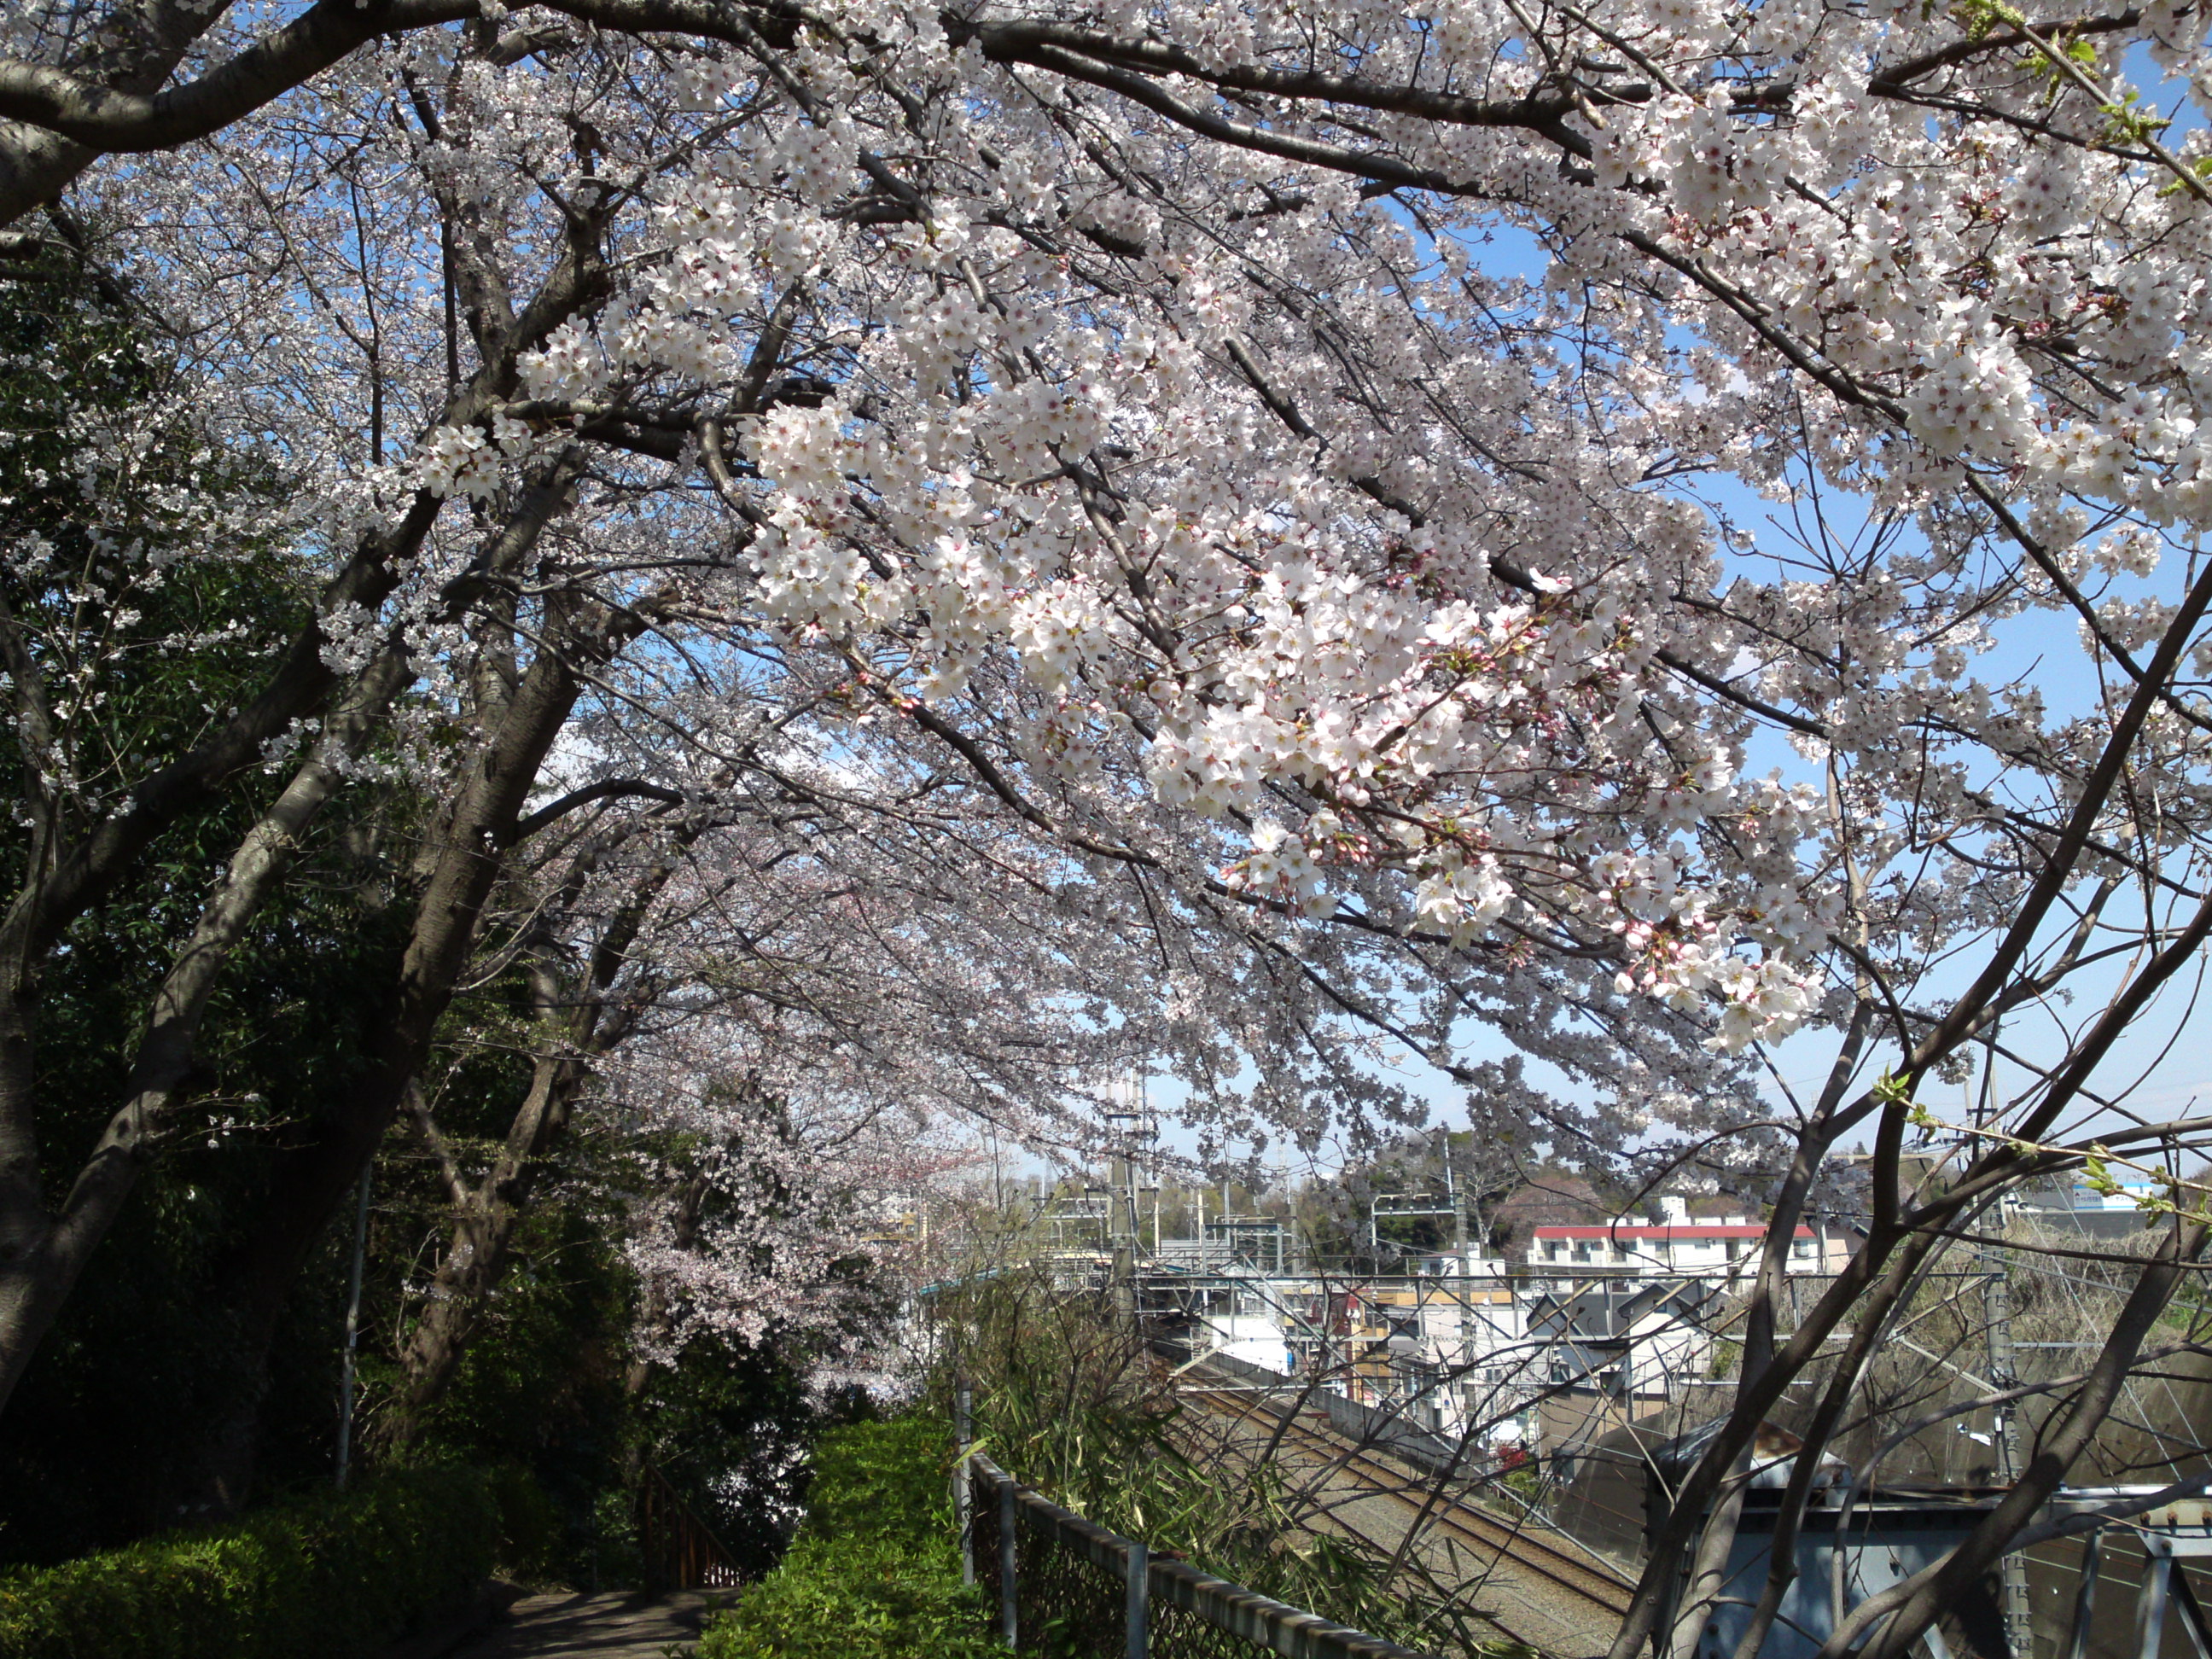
x: 1724, y: 1248
x: 1470, y: 1321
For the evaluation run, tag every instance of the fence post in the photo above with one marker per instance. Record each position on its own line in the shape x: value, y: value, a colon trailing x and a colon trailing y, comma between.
x: 1008, y: 1590
x: 963, y: 1482
x: 1140, y: 1571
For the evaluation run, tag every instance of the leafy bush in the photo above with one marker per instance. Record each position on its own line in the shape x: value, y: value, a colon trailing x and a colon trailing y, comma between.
x: 875, y: 1573
x: 331, y: 1576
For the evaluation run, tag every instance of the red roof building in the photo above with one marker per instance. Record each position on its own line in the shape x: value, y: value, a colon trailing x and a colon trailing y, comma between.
x: 1725, y: 1246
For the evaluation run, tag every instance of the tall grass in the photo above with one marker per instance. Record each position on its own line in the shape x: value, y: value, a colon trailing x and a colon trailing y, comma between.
x: 1069, y: 1400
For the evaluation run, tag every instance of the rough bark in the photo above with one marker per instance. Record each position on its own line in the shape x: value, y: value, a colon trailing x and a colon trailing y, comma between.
x: 479, y: 1248
x: 72, y: 865
x: 312, y: 1178
x: 578, y: 1020
x: 132, y: 51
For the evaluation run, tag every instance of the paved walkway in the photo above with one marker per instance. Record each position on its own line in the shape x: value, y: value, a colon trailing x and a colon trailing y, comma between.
x: 577, y: 1627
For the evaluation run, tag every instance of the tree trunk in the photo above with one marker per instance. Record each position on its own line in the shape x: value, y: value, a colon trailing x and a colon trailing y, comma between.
x: 480, y: 1249
x: 45, y: 1256
x: 580, y: 1024
x: 476, y: 835
x: 312, y: 1179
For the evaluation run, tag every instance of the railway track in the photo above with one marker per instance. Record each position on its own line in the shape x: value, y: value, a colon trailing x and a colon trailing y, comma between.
x: 1602, y: 1595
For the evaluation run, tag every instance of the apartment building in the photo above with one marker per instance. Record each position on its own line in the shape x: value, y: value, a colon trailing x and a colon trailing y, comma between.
x: 1723, y: 1249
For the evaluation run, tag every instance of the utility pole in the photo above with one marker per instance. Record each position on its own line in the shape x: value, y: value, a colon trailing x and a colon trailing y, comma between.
x: 2004, y: 1426
x: 1121, y: 1232
x: 1125, y: 1226
x: 1451, y: 1199
x: 1997, y: 1323
x: 1463, y: 1270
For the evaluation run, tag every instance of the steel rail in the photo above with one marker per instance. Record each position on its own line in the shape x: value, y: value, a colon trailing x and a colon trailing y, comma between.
x: 1504, y: 1622
x: 1613, y: 1595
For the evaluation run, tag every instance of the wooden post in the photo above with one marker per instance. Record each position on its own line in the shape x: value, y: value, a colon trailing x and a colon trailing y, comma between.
x: 1140, y: 1573
x: 1008, y: 1590
x: 963, y: 1480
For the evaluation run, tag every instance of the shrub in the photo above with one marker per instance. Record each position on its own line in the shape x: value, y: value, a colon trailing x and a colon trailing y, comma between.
x: 332, y: 1576
x: 530, y: 1529
x: 874, y: 1573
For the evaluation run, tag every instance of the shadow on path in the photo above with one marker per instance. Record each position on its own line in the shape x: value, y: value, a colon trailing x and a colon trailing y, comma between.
x: 578, y: 1626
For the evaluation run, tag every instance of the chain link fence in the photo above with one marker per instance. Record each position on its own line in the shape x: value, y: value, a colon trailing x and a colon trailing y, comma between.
x: 1071, y: 1589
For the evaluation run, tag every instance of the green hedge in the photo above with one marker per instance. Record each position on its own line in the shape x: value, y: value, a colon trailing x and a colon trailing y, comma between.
x: 875, y: 1573
x: 333, y: 1576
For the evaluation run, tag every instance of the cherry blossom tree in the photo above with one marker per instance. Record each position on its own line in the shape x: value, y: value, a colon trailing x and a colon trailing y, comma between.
x: 795, y: 1014
x: 1294, y: 465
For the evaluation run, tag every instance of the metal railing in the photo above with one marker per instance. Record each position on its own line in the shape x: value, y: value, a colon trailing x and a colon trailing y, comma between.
x: 1070, y: 1589
x: 679, y: 1551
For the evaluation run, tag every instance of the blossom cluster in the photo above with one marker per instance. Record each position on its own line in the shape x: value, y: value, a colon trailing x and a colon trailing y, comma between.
x: 1582, y: 561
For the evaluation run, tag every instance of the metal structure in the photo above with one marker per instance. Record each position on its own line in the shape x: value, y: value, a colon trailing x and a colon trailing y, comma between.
x: 1426, y: 1206
x: 1996, y: 1335
x: 1260, y: 1242
x: 1078, y: 1222
x: 1066, y: 1587
x: 1378, y: 1212
x: 2178, y: 1533
x: 1885, y: 1543
x: 1595, y: 1328
x: 1889, y: 1536
x: 1423, y: 1343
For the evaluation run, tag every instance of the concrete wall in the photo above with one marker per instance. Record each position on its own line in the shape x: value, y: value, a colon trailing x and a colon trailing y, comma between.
x: 1370, y: 1425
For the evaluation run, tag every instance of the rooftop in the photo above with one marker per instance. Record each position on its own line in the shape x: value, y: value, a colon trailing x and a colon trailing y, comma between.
x: 1668, y: 1231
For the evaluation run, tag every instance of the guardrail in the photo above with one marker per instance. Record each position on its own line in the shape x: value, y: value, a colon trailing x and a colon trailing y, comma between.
x: 1067, y: 1587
